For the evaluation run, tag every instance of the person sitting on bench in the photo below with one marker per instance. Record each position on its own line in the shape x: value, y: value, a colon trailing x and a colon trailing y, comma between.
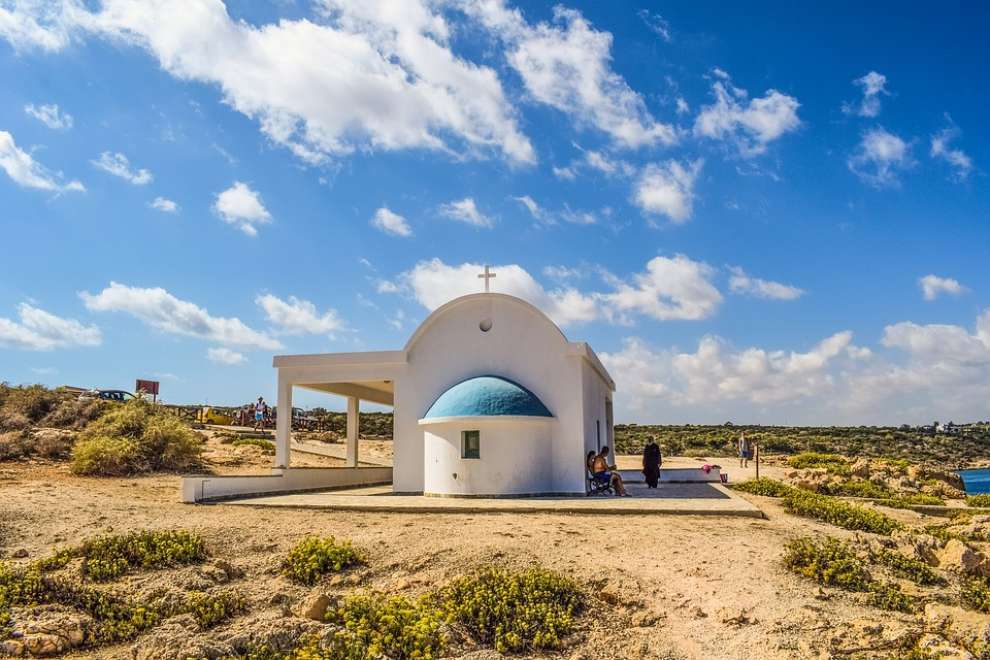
x: 602, y: 471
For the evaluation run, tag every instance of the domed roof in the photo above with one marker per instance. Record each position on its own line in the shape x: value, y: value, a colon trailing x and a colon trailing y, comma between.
x: 487, y: 396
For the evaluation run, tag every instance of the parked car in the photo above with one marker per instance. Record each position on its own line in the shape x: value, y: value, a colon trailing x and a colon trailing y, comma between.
x: 107, y: 395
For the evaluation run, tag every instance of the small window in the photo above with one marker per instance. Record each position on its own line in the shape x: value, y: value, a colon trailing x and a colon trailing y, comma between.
x: 470, y: 444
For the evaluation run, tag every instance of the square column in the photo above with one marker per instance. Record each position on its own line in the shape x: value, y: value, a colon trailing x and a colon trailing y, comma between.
x: 283, y: 423
x: 353, y: 414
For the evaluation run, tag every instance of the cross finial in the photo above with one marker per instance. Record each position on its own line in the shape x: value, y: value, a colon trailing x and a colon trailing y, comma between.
x: 487, y: 276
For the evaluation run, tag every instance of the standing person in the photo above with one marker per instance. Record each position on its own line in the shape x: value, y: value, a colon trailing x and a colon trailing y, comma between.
x: 745, y: 450
x: 259, y: 414
x: 651, y: 463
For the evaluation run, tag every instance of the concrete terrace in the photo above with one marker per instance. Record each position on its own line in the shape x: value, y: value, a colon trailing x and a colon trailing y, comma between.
x: 708, y: 499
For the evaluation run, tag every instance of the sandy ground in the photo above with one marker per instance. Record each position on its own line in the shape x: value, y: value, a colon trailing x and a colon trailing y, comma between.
x: 666, y: 586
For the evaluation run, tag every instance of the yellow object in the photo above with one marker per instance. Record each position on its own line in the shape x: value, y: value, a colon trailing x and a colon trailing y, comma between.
x: 209, y: 416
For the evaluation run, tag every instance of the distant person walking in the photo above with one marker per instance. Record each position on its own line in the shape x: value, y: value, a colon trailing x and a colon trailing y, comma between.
x: 651, y: 463
x: 259, y: 414
x: 745, y: 450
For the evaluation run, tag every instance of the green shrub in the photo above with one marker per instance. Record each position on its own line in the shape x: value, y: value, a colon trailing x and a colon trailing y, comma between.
x: 890, y: 597
x: 839, y: 513
x: 107, y: 456
x: 833, y: 463
x: 765, y: 487
x: 376, y: 626
x: 266, y: 446
x: 858, y: 488
x: 314, y: 557
x: 31, y: 401
x: 832, y: 563
x: 74, y: 413
x: 829, y: 562
x: 108, y: 557
x: 529, y: 610
x: 982, y: 500
x: 907, y: 567
x: 209, y: 609
x: 975, y: 594
x: 135, y: 437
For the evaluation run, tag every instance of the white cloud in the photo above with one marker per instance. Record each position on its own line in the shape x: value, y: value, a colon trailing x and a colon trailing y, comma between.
x: 880, y: 158
x: 534, y: 209
x: 668, y: 189
x: 391, y: 223
x: 465, y: 210
x: 671, y: 288
x: 161, y: 310
x: 553, y: 217
x: 741, y: 282
x: 926, y: 371
x: 434, y: 283
x: 39, y: 330
x: 41, y: 24
x: 567, y: 65
x: 941, y: 148
x: 715, y: 373
x: 393, y: 62
x: 565, y: 173
x: 164, y: 205
x: 297, y: 317
x: 751, y: 125
x: 657, y: 23
x: 225, y: 356
x: 563, y: 273
x: 873, y: 85
x: 682, y: 106
x: 933, y: 285
x: 118, y: 165
x: 27, y: 172
x: 242, y: 207
x: 50, y: 116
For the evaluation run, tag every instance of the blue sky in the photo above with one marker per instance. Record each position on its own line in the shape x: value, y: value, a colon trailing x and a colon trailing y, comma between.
x: 775, y: 215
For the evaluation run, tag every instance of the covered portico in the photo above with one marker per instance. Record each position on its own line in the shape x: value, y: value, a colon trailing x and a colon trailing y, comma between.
x: 355, y: 376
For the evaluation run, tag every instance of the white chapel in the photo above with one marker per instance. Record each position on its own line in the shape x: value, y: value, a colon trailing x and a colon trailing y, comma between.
x: 489, y: 398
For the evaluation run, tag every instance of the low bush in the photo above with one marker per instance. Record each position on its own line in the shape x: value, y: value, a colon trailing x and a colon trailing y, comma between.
x: 74, y: 413
x: 135, y: 437
x: 839, y: 513
x: 765, y: 487
x: 266, y: 446
x: 30, y: 402
x: 108, y: 557
x: 314, y: 557
x: 376, y: 626
x: 832, y: 563
x: 833, y: 463
x: 982, y: 500
x: 531, y: 610
x: 210, y: 609
x: 14, y: 445
x: 857, y: 488
x: 907, y: 567
x: 829, y: 562
x: 890, y: 597
x: 975, y: 594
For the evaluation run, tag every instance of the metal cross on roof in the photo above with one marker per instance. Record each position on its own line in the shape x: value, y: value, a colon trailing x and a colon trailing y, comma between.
x: 487, y: 276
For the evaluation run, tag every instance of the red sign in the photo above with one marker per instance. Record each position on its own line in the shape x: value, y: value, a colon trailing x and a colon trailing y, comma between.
x: 147, y: 386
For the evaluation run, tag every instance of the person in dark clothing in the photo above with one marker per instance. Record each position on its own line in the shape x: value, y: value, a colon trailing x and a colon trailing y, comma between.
x: 651, y: 463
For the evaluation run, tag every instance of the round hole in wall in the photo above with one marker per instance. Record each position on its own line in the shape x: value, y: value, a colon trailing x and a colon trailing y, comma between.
x: 485, y: 325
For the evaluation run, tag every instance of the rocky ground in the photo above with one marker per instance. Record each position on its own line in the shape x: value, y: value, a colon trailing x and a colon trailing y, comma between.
x: 661, y: 587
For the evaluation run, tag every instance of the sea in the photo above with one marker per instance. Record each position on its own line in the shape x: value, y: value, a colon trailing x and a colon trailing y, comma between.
x: 976, y: 481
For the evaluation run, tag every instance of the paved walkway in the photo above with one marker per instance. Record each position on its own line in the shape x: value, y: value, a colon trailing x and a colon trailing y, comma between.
x: 683, y: 499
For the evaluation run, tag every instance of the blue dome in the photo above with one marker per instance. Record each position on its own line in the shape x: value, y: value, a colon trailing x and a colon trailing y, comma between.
x: 487, y: 396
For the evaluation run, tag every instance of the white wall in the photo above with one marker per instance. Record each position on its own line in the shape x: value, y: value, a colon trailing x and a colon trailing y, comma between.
x: 515, y: 458
x: 523, y: 345
x: 200, y: 488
